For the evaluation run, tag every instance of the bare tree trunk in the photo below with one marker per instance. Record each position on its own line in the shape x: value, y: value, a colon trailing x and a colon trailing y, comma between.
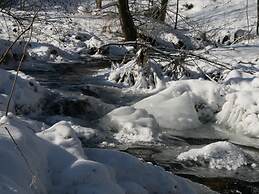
x: 150, y: 4
x: 257, y: 25
x: 127, y: 24
x: 164, y: 4
x: 99, y: 4
x: 176, y: 14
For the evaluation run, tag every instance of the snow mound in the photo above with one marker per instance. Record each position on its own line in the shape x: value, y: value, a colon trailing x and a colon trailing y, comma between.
x: 58, y: 164
x: 141, y: 177
x: 131, y: 125
x: 219, y: 155
x: 25, y: 86
x: 15, y: 174
x: 241, y: 112
x: 184, y: 103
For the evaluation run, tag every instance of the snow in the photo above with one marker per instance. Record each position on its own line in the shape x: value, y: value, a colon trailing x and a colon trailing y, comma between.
x: 146, y: 75
x: 174, y: 107
x: 219, y: 155
x: 64, y: 167
x: 131, y: 125
x: 240, y: 112
x: 26, y: 86
x: 141, y: 177
x: 94, y: 42
x: 184, y: 118
x: 218, y: 18
x: 14, y: 171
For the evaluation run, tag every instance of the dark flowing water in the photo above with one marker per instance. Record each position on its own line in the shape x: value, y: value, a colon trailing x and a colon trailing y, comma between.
x: 78, y: 81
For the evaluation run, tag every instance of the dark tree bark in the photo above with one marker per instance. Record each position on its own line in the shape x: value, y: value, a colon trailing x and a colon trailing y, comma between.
x: 127, y: 24
x: 164, y: 4
x: 99, y: 4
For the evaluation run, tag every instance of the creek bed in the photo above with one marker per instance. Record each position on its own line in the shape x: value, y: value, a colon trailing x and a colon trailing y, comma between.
x: 85, y: 79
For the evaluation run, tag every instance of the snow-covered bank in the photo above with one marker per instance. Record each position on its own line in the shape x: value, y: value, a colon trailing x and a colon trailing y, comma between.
x: 184, y: 104
x: 63, y: 167
x: 26, y: 86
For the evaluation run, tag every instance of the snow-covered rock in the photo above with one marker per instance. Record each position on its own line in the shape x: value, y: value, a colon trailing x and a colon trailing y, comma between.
x: 184, y: 103
x: 25, y: 86
x: 131, y: 125
x: 219, y: 155
x: 240, y: 112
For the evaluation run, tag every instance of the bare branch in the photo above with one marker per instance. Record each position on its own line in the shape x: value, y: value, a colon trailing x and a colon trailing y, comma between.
x: 17, y: 38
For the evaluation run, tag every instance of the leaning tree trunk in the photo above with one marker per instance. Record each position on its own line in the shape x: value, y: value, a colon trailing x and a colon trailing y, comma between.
x: 176, y: 14
x: 164, y: 4
x: 127, y: 24
x: 99, y: 4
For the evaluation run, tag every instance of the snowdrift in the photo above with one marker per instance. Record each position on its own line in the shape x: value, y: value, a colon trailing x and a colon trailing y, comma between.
x: 57, y: 163
x: 184, y: 104
x: 26, y: 86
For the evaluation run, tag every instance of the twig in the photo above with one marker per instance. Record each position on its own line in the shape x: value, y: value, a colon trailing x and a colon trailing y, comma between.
x: 210, y: 61
x: 20, y: 151
x: 206, y: 75
x: 18, y: 37
x: 19, y: 66
x: 180, y: 52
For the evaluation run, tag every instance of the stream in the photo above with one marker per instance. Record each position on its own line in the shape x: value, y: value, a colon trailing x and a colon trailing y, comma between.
x: 77, y: 81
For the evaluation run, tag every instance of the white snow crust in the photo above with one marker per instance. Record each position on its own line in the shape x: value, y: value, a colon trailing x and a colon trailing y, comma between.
x: 219, y: 155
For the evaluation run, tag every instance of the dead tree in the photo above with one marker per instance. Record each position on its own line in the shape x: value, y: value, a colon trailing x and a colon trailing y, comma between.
x: 163, y: 10
x: 99, y: 4
x: 127, y: 24
x: 176, y: 14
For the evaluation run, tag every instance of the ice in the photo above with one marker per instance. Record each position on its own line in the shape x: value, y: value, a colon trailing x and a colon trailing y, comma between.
x: 240, y: 112
x: 139, y: 77
x: 219, y: 155
x: 131, y: 125
x: 175, y: 107
x: 25, y: 86
x: 55, y: 153
x: 94, y: 42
